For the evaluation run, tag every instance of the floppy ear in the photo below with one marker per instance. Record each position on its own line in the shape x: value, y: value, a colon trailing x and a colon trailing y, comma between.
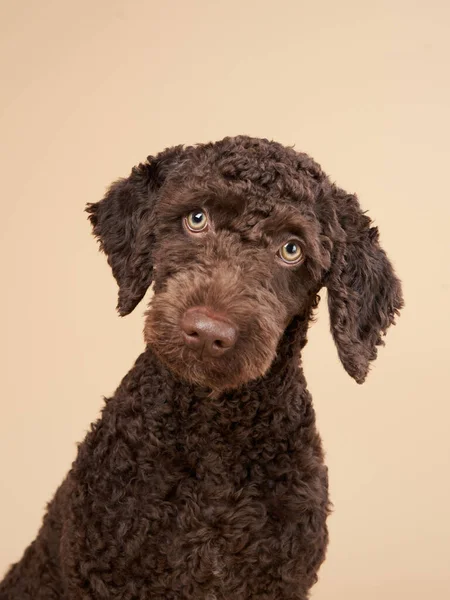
x: 122, y: 222
x: 364, y: 294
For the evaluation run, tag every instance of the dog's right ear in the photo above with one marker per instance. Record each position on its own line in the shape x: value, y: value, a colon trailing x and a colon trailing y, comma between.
x: 122, y: 222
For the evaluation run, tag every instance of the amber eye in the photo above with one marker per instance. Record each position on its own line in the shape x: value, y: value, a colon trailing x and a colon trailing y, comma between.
x: 291, y: 252
x: 196, y: 221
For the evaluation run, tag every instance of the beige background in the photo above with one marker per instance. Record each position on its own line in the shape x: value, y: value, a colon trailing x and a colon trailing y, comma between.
x: 88, y: 89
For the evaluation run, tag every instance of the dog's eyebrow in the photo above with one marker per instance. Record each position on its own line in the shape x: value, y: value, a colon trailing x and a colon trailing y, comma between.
x: 284, y: 220
x: 225, y: 201
x: 177, y: 202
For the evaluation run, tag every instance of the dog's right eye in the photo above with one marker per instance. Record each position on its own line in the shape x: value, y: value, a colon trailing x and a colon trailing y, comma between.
x: 196, y: 221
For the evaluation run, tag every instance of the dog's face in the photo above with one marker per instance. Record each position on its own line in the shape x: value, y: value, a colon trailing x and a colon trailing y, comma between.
x: 228, y: 278
x: 239, y: 237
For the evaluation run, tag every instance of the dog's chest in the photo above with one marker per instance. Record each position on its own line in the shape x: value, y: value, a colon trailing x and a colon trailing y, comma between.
x: 218, y: 524
x: 215, y: 504
x: 216, y: 511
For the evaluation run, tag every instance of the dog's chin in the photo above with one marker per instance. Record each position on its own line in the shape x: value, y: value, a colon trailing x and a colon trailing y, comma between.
x: 221, y: 374
x: 214, y: 374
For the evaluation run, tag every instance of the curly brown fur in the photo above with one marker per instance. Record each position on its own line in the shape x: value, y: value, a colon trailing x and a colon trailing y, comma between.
x: 204, y: 477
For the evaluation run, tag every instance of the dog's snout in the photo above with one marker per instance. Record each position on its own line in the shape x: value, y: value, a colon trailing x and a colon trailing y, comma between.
x: 205, y: 332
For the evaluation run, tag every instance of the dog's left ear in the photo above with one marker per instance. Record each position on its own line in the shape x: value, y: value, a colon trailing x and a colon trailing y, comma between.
x: 122, y: 222
x: 364, y: 294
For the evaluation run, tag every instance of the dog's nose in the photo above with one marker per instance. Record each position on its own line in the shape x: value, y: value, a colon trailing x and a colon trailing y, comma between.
x: 206, y: 333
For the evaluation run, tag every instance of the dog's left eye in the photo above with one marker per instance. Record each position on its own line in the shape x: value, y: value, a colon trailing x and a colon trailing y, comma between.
x: 291, y: 253
x: 196, y: 221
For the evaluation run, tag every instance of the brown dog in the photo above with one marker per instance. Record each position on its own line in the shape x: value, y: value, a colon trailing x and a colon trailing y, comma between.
x: 204, y: 478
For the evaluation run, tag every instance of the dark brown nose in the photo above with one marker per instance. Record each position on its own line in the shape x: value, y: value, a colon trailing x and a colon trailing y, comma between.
x: 206, y: 333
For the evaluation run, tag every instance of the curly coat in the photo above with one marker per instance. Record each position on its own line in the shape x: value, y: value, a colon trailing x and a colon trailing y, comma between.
x: 204, y: 477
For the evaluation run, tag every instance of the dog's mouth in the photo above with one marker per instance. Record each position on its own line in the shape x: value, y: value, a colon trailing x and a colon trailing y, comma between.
x: 214, y: 340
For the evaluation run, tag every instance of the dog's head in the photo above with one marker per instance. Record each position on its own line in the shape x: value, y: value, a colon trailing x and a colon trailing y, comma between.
x: 239, y: 236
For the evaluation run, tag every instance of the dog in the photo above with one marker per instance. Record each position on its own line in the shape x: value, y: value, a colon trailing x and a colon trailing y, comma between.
x: 204, y: 478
